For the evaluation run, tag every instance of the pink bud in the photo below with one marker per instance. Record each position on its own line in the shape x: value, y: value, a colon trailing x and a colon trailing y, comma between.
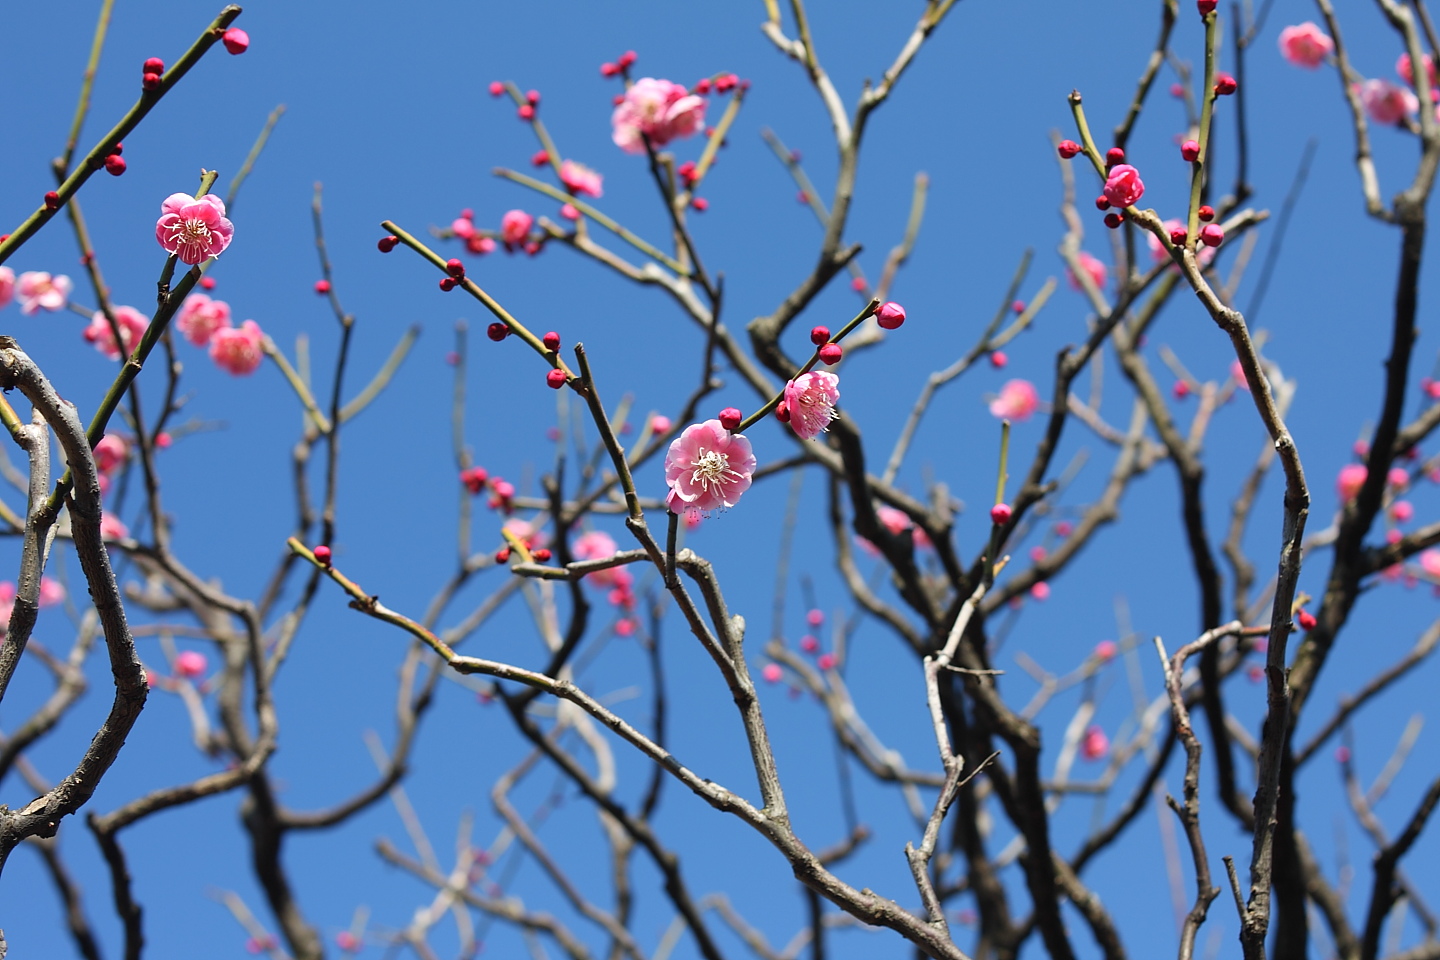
x: 1224, y: 84
x: 208, y: 283
x: 890, y: 316
x: 1113, y: 156
x: 322, y: 287
x: 1398, y: 477
x: 189, y: 663
x: 730, y: 418
x: 1190, y: 150
x: 1068, y: 148
x: 497, y: 331
x: 702, y: 85
x: 556, y: 378
x: 660, y: 424
x: 998, y: 359
x: 154, y: 65
x: 815, y: 617
x: 826, y: 661
x: 542, y: 554
x: 532, y: 97
x: 1179, y: 237
x: 1000, y: 514
x: 1342, y: 754
x: 831, y: 353
x: 52, y: 200
x: 551, y: 340
x: 569, y: 212
x: 149, y: 82
x: 322, y: 554
x: 1113, y: 220
x: 496, y: 88
x: 772, y: 673
x: 1206, y: 7
x: 447, y: 284
x: 782, y: 412
x: 700, y: 204
x: 819, y: 335
x: 1181, y: 390
x: 236, y: 41
x: 1106, y: 650
x: 1040, y: 591
x: 627, y: 58
x: 1177, y: 90
x: 387, y: 244
x: 114, y: 164
x: 809, y: 644
x: 1018, y: 306
x: 526, y: 112
x: 502, y: 555
x: 1211, y: 235
x: 1206, y: 213
x: 857, y: 284
x: 1306, y: 619
x: 1402, y: 511
x: 609, y: 69
x: 474, y: 479
x: 455, y: 268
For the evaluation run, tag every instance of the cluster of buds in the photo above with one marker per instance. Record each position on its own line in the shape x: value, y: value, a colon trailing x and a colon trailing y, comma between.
x: 113, y: 163
x: 476, y: 241
x: 150, y: 73
x: 455, y: 271
x: 618, y: 67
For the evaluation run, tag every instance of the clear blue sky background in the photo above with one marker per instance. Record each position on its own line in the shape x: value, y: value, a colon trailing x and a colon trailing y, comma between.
x: 386, y: 104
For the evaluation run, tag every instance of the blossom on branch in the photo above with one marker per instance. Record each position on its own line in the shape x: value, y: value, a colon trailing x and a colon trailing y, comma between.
x: 658, y: 110
x: 1387, y: 103
x: 1092, y: 265
x: 579, y: 178
x: 1306, y: 45
x: 132, y: 324
x: 237, y: 349
x: 200, y: 317
x: 193, y: 229
x: 40, y: 291
x: 1123, y: 186
x: 812, y: 397
x: 7, y: 286
x: 707, y: 468
x: 1018, y: 400
x: 515, y: 228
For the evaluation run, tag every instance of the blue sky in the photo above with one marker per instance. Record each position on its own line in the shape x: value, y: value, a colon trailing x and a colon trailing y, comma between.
x: 387, y: 106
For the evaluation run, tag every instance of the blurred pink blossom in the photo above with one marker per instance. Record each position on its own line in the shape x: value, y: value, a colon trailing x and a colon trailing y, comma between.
x: 515, y: 227
x: 1407, y: 72
x: 193, y: 230
x: 1387, y: 103
x: 190, y: 663
x: 580, y: 178
x: 132, y: 323
x: 237, y: 349
x: 51, y: 592
x: 772, y: 673
x: 657, y: 109
x: 7, y: 286
x: 111, y: 528
x: 812, y: 397
x: 1094, y: 745
x: 1106, y: 649
x: 707, y: 468
x: 1430, y: 562
x: 110, y: 452
x: 1091, y: 265
x: 40, y: 291
x: 200, y: 317
x: 1017, y: 401
x: 1351, y: 479
x: 1306, y: 45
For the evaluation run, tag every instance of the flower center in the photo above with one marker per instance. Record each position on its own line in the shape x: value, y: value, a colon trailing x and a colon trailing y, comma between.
x: 712, y: 469
x: 193, y: 231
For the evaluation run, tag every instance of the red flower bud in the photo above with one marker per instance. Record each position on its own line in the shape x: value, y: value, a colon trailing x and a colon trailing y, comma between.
x: 154, y: 65
x: 208, y: 283
x: 496, y: 88
x: 1224, y: 85
x: 1018, y: 306
x: 1181, y: 389
x: 322, y: 554
x: 1205, y: 6
x: 1068, y: 148
x: 52, y: 201
x: 551, y: 340
x: 627, y: 58
x: 447, y: 284
x: 502, y: 554
x: 455, y: 268
x: 540, y: 555
x: 890, y: 315
x: 114, y: 164
x: 526, y: 112
x: 831, y: 353
x: 1113, y: 220
x: 1190, y: 150
x: 1212, y: 235
x: 555, y: 379
x: 998, y: 359
x: 1178, y: 237
x: 1101, y: 203
x: 700, y: 204
x: 322, y: 287
x: 236, y: 41
x: 782, y: 412
x: 497, y: 331
x: 702, y: 85
x: 819, y: 335
x: 539, y: 158
x: 1113, y: 156
x: 730, y: 418
x: 151, y: 81
x: 387, y: 244
x: 609, y: 69
x: 1000, y: 514
x: 1206, y: 213
x: 1306, y: 619
x: 532, y: 97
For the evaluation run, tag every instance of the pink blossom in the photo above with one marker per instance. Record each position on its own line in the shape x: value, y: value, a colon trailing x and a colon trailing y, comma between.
x: 528, y: 533
x: 190, y: 663
x: 1095, y: 745
x: 660, y: 424
x: 772, y: 673
x: 1402, y: 511
x: 463, y: 227
x: 810, y: 644
x: 1123, y: 186
x: 707, y: 468
x: 7, y: 286
x: 595, y: 545
x: 1237, y: 373
x: 132, y: 324
x: 812, y: 398
x: 7, y: 603
x: 1158, y: 253
x: 200, y: 317
x: 110, y: 452
x: 579, y: 178
x: 515, y: 227
x: 897, y: 522
x: 193, y: 230
x: 1040, y: 591
x: 1403, y: 67
x: 1430, y: 562
x: 51, y: 592
x: 826, y: 661
x: 1387, y: 103
x: 1351, y: 479
x: 658, y: 110
x: 1091, y: 265
x: 1398, y: 477
x: 40, y: 291
x: 1017, y: 401
x: 111, y: 528
x: 1106, y: 649
x: 237, y: 349
x: 1306, y: 45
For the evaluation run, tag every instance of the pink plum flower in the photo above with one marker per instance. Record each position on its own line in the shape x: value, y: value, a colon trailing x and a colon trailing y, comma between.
x: 1406, y: 71
x: 193, y: 230
x: 7, y: 604
x: 707, y: 468
x: 111, y: 528
x: 40, y: 291
x: 1106, y: 650
x: 132, y: 324
x: 772, y: 673
x: 1430, y: 562
x: 1387, y: 103
x: 1094, y: 745
x: 811, y: 398
x: 897, y: 522
x: 1093, y: 266
x: 1237, y: 373
x: 515, y: 227
x: 1306, y: 45
x: 7, y: 286
x: 1351, y: 479
x: 190, y: 663
x: 595, y: 545
x: 580, y: 179
x: 110, y: 452
x: 1017, y: 401
x: 237, y: 349
x: 51, y: 592
x: 1123, y: 185
x: 200, y: 317
x: 658, y: 110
